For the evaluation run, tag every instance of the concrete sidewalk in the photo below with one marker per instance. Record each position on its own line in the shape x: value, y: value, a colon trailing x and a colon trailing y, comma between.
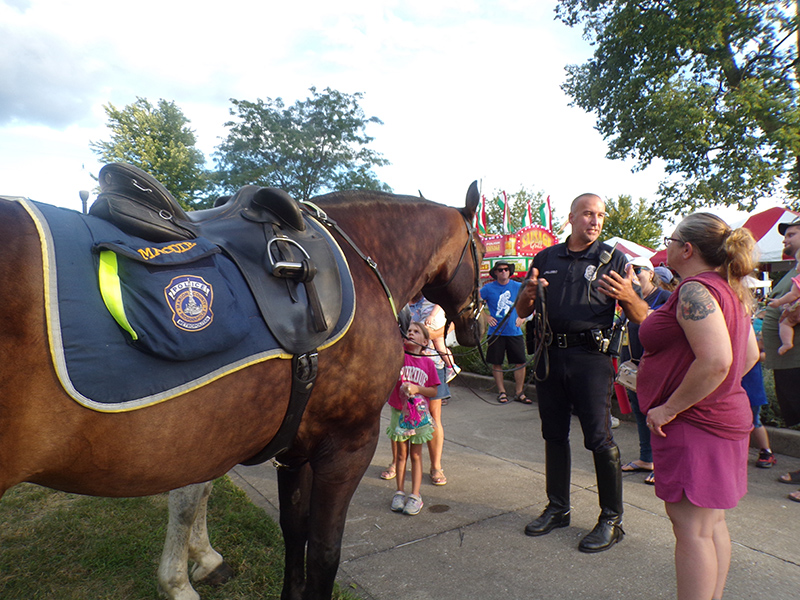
x: 468, y: 541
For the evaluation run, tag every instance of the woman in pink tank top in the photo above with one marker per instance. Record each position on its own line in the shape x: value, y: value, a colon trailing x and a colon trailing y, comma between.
x: 697, y: 347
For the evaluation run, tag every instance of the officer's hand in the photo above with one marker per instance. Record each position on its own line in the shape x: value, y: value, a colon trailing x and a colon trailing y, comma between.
x: 618, y: 287
x: 527, y: 295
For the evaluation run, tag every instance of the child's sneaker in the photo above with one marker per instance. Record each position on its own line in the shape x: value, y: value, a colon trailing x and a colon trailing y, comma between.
x: 399, y: 501
x: 766, y: 459
x: 414, y: 505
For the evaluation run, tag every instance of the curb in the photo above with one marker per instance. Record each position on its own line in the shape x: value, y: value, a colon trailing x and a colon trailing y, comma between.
x: 782, y: 441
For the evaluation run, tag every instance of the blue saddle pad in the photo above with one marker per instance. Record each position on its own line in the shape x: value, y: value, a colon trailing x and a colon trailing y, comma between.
x: 94, y: 356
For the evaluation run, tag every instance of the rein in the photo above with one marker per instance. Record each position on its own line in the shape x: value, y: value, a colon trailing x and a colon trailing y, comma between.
x: 475, y: 304
x: 323, y: 218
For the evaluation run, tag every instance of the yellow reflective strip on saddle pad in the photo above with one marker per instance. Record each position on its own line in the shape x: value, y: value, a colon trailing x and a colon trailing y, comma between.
x: 111, y: 290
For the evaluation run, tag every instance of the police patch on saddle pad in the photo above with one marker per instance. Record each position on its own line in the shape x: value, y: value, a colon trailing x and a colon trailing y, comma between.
x: 133, y: 323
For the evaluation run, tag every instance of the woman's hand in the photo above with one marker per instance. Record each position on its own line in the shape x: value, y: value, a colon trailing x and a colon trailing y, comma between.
x: 658, y: 417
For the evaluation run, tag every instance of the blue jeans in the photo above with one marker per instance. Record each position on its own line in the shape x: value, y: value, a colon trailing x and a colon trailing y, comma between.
x: 645, y: 450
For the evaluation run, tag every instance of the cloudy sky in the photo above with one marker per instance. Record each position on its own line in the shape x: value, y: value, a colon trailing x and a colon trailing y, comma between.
x: 466, y: 89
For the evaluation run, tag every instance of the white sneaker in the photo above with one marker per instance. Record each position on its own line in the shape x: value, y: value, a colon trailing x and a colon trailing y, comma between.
x: 614, y: 422
x: 414, y: 505
x: 451, y: 373
x: 399, y: 502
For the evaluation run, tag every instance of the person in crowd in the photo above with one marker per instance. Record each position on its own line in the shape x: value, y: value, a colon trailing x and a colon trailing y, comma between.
x: 583, y: 280
x: 753, y: 384
x: 655, y: 296
x: 436, y: 444
x: 505, y: 337
x: 698, y: 346
x: 666, y: 279
x: 785, y: 367
x: 432, y: 316
x: 789, y: 304
x: 410, y: 425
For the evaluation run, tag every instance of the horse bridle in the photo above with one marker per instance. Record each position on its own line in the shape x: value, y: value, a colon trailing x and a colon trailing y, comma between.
x: 474, y: 303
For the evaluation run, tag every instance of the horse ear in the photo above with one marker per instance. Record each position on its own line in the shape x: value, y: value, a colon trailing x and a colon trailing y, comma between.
x: 473, y: 197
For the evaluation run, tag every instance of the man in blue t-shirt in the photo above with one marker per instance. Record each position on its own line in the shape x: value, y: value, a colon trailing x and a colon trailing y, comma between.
x: 500, y: 296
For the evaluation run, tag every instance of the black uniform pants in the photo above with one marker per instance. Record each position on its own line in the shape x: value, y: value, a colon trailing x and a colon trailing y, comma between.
x: 580, y: 381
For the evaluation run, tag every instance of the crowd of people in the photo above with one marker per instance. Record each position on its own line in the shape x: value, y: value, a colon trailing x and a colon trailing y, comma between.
x: 697, y: 339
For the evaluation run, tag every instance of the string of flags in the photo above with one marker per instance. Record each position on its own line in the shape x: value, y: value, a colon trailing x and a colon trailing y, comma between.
x: 545, y: 214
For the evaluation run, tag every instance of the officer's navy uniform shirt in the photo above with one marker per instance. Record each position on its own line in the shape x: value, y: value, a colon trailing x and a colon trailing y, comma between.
x: 574, y: 303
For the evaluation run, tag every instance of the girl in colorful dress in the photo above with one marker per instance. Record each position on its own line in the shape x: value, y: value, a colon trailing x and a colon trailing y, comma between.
x: 411, y: 424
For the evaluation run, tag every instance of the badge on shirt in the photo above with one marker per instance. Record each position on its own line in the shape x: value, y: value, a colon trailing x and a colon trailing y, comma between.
x: 590, y: 273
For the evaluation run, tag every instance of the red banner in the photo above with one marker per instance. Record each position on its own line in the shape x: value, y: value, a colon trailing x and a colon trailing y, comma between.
x: 532, y: 239
x: 495, y: 245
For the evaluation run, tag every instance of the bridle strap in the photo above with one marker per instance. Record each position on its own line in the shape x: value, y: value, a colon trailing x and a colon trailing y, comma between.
x: 323, y: 218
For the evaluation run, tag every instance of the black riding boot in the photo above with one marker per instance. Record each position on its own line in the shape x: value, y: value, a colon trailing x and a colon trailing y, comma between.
x: 557, y: 472
x: 608, y: 530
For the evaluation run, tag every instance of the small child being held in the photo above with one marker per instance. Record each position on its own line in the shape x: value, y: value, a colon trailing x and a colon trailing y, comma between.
x: 411, y: 425
x: 790, y: 316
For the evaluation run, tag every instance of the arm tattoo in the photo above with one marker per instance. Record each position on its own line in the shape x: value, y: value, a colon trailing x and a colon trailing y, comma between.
x: 696, y: 302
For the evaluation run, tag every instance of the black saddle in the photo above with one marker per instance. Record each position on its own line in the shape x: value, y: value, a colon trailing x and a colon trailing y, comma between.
x: 286, y: 257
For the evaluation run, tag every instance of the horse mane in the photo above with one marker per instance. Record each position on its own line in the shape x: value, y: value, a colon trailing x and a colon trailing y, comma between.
x: 362, y: 198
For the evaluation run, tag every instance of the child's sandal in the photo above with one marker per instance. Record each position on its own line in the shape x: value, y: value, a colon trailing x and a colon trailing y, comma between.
x: 389, y: 473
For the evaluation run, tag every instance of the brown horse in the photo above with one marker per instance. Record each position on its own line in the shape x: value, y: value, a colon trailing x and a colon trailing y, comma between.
x: 49, y: 439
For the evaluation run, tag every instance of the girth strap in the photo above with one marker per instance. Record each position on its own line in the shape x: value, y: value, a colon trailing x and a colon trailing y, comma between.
x: 304, y: 375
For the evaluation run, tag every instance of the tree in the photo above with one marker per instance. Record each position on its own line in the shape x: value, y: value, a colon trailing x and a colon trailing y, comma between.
x: 316, y: 145
x: 640, y: 223
x: 159, y: 141
x: 707, y: 86
x: 517, y: 204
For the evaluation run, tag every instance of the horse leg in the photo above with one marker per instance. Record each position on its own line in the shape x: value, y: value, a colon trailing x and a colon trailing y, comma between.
x: 209, y: 567
x: 294, y: 492
x: 184, y: 507
x: 336, y: 478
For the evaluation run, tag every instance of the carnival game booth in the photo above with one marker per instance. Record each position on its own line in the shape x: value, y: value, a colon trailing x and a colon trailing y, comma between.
x: 517, y: 248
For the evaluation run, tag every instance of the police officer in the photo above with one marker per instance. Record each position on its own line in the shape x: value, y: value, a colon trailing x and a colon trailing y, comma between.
x: 583, y: 279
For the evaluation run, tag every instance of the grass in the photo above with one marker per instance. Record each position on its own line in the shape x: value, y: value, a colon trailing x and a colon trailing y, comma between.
x: 58, y: 546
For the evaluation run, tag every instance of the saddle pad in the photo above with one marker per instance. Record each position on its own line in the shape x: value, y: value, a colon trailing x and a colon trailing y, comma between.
x: 90, y: 351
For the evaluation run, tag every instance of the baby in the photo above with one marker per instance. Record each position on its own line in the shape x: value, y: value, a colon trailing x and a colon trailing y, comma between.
x: 790, y: 316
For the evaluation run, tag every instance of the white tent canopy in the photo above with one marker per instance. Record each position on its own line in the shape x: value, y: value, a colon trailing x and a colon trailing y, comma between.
x: 629, y: 248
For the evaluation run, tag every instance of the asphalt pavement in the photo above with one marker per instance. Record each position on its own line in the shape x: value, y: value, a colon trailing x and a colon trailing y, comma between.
x: 468, y: 541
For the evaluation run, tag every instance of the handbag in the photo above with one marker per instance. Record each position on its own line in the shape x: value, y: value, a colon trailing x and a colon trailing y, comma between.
x: 626, y: 375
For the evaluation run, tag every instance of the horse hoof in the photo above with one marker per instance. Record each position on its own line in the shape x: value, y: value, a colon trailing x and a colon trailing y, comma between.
x: 222, y: 574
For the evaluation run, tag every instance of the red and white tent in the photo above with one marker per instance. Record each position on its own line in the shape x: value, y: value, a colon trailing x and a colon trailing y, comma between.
x: 629, y: 248
x: 764, y: 227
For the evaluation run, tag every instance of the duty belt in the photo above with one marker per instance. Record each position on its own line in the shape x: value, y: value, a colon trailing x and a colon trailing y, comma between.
x: 570, y: 340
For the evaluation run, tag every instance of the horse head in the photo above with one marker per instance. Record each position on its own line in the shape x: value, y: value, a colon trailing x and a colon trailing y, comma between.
x: 456, y: 286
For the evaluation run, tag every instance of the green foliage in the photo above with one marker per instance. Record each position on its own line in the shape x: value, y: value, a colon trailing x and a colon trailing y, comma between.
x: 314, y: 146
x: 158, y: 140
x: 639, y: 223
x: 517, y: 203
x: 58, y: 546
x: 707, y: 86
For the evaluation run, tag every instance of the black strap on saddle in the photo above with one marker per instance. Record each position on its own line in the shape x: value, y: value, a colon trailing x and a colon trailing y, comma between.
x: 304, y: 375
